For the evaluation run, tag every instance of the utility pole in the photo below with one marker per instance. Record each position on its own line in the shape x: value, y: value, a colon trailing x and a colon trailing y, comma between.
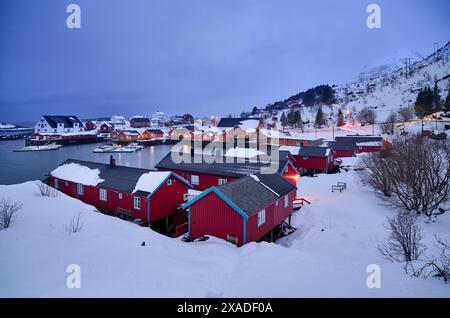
x: 407, y: 66
x: 436, y: 48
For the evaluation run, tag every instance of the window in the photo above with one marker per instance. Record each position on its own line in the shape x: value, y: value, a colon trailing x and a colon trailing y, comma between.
x: 195, y: 180
x: 80, y: 189
x: 276, y: 203
x: 169, y: 182
x: 66, y: 183
x: 261, y: 217
x: 102, y: 195
x: 222, y: 181
x: 120, y: 196
x: 55, y: 183
x: 286, y: 201
x: 137, y: 203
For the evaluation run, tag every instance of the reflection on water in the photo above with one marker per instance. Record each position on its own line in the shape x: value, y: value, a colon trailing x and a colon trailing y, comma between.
x: 18, y: 167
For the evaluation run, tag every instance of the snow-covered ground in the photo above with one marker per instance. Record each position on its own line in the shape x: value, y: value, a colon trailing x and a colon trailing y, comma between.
x: 328, y: 255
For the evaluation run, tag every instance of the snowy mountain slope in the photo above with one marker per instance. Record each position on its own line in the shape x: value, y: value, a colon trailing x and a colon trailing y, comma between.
x: 387, y: 86
x: 328, y: 255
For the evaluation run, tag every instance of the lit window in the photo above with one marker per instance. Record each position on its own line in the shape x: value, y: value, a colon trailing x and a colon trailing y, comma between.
x: 169, y: 182
x: 222, y: 181
x: 261, y: 217
x: 120, y: 196
x: 137, y: 203
x: 55, y: 183
x: 103, y: 195
x: 195, y: 180
x: 80, y: 189
x: 286, y: 201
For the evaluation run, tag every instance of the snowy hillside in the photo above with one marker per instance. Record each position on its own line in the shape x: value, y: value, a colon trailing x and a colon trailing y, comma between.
x: 387, y: 86
x: 328, y: 256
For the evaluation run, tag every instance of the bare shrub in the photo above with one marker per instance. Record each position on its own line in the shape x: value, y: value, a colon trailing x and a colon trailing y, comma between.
x: 404, y: 242
x: 406, y: 113
x: 8, y: 212
x: 436, y: 266
x: 388, y: 126
x: 367, y: 115
x: 413, y: 176
x: 75, y: 225
x: 46, y: 191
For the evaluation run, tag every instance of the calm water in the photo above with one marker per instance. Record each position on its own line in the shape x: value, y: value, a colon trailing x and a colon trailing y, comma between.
x: 18, y: 167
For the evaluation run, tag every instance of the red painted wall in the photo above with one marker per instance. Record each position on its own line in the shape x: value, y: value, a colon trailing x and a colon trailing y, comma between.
x: 362, y: 149
x: 344, y: 154
x: 212, y: 216
x: 205, y: 180
x: 167, y: 199
x: 314, y: 163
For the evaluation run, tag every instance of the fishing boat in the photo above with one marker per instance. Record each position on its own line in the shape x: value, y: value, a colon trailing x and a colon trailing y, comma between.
x: 47, y: 147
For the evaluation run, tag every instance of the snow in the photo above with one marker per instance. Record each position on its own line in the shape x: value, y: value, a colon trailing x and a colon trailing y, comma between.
x: 150, y: 181
x: 292, y: 149
x: 7, y: 126
x: 243, y: 153
x: 327, y: 256
x: 77, y: 173
x: 370, y: 143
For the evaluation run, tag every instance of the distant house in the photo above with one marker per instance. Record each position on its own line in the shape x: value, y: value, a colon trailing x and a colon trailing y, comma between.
x: 151, y: 134
x: 203, y: 175
x: 157, y: 119
x: 90, y: 125
x: 242, y: 211
x: 311, y: 158
x: 234, y: 122
x: 58, y: 124
x: 363, y: 143
x: 343, y: 149
x: 139, y: 122
x: 128, y: 192
x: 125, y: 135
x: 106, y: 128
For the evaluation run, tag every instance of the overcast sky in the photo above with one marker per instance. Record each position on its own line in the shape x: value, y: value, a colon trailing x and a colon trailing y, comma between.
x: 194, y: 56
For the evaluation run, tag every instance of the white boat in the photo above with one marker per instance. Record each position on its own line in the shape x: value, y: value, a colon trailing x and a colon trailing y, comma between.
x: 135, y: 145
x: 52, y: 146
x: 105, y: 148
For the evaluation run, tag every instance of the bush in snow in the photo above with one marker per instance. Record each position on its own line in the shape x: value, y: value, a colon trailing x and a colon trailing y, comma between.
x: 404, y: 242
x: 75, y: 225
x: 367, y: 115
x: 8, y: 212
x: 388, y: 126
x: 413, y: 176
x: 436, y: 266
x: 406, y: 113
x: 46, y: 191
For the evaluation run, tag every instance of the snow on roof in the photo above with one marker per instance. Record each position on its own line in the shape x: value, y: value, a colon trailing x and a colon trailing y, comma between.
x: 292, y: 149
x: 249, y: 124
x: 243, y: 152
x: 255, y: 177
x: 150, y: 181
x: 370, y: 143
x: 77, y: 173
x: 273, y: 133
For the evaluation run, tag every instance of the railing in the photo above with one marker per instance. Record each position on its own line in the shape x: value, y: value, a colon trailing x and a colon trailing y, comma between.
x: 181, y: 229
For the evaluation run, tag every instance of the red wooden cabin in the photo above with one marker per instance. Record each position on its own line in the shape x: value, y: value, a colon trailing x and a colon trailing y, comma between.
x: 131, y: 192
x: 151, y: 134
x: 106, y: 128
x: 343, y: 149
x: 203, y: 175
x: 363, y: 143
x: 242, y: 211
x: 89, y: 126
x: 311, y: 158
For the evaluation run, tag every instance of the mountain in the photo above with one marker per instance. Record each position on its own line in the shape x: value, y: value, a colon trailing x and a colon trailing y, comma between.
x: 387, y: 86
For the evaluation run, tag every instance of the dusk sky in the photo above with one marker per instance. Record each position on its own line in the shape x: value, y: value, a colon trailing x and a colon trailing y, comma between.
x: 201, y: 57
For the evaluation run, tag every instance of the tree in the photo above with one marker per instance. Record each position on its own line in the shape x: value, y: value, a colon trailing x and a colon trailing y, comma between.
x: 340, y: 118
x: 446, y: 107
x: 406, y: 113
x: 283, y: 120
x: 388, y: 126
x: 367, y: 115
x: 424, y: 102
x: 245, y: 114
x: 254, y: 110
x: 413, y: 176
x: 436, y: 98
x: 404, y: 243
x: 297, y: 119
x: 320, y: 118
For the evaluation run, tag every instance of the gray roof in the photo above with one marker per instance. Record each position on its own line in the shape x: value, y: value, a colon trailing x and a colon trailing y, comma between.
x: 342, y: 145
x: 67, y: 121
x: 252, y: 196
x: 155, y: 131
x: 234, y: 169
x: 233, y: 122
x: 312, y: 151
x: 140, y: 119
x: 357, y: 138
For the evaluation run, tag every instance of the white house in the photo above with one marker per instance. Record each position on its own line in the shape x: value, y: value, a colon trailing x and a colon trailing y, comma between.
x: 58, y: 124
x: 157, y: 119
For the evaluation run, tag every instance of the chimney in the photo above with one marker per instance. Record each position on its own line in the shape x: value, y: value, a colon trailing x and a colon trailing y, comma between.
x: 112, y: 161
